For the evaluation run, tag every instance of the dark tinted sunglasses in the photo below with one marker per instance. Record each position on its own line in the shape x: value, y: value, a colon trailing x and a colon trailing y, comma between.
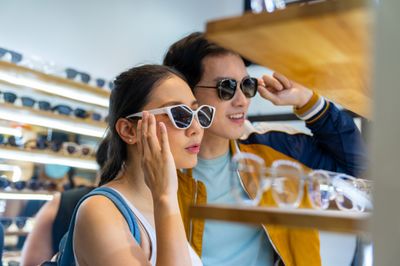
x: 62, y: 109
x: 182, y: 116
x: 227, y: 87
x: 15, y: 57
x: 73, y: 74
x: 5, y: 183
x: 9, y: 97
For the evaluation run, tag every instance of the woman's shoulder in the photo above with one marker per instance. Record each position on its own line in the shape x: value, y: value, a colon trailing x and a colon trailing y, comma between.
x: 100, y: 230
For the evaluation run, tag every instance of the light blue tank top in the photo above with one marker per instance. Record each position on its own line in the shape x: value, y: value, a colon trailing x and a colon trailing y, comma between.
x: 229, y: 243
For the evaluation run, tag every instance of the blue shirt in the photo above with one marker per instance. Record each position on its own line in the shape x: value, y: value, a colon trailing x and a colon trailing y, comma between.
x: 229, y: 243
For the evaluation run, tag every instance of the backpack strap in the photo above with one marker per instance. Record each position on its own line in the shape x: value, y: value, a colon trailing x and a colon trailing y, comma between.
x: 66, y: 256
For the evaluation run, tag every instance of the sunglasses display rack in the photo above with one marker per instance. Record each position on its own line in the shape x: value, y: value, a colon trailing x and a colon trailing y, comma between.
x: 34, y: 89
x: 19, y: 76
x: 46, y: 103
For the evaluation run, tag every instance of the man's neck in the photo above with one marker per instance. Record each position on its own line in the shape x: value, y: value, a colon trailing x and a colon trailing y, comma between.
x: 213, y: 146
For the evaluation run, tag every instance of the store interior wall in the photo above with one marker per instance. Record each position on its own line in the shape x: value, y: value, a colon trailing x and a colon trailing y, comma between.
x: 106, y: 37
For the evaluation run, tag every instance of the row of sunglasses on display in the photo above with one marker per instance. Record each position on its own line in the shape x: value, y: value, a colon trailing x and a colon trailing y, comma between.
x: 29, y: 185
x: 41, y: 143
x: 37, y: 63
x: 63, y: 109
x: 286, y: 180
x: 15, y: 224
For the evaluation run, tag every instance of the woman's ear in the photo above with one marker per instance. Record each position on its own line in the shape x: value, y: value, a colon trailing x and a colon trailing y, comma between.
x: 126, y: 130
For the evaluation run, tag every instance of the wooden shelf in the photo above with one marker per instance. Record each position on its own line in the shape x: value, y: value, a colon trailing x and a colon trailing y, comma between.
x: 23, y: 76
x: 48, y: 119
x: 17, y: 233
x: 324, y: 46
x: 47, y: 157
x: 336, y: 221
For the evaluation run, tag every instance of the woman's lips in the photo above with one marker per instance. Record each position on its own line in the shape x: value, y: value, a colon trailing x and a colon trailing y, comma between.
x: 194, y: 149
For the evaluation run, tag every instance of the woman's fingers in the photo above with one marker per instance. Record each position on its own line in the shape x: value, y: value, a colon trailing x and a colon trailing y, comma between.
x: 145, y: 135
x: 165, y: 150
x: 152, y: 138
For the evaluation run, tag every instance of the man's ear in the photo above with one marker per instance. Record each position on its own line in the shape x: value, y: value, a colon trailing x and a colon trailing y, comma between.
x: 126, y: 129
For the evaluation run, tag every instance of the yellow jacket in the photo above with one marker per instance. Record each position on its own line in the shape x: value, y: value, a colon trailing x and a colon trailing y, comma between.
x: 294, y: 246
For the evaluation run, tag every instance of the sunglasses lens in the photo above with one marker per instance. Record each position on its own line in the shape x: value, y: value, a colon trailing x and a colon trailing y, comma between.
x: 96, y: 116
x: 85, y: 77
x: 319, y: 190
x: 16, y: 57
x: 43, y: 105
x: 4, y: 182
x: 226, y: 89
x: 71, y: 73
x: 205, y: 116
x: 85, y: 150
x: 26, y: 101
x: 20, y: 222
x: 6, y: 222
x: 287, y: 188
x: 19, y: 185
x: 182, y: 115
x: 100, y: 83
x: 81, y: 113
x: 34, y: 184
x: 9, y: 97
x: 345, y: 188
x: 63, y: 109
x: 71, y: 149
x: 249, y: 87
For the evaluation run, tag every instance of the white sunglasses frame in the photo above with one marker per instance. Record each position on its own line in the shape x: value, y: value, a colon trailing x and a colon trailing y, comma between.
x: 167, y: 110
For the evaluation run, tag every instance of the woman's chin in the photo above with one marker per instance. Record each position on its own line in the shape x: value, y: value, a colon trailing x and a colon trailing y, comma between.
x: 187, y: 163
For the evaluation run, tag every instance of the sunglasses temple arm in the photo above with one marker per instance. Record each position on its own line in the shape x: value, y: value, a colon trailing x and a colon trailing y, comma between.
x: 154, y: 112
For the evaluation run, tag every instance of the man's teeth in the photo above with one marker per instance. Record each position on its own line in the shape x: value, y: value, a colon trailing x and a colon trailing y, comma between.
x: 236, y: 116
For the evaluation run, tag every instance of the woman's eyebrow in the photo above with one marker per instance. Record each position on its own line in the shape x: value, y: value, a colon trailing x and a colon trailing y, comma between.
x: 170, y: 103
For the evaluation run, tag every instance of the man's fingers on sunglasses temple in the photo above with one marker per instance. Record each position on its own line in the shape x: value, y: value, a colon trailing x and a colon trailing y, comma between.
x: 283, y: 80
x: 272, y: 82
x: 267, y: 94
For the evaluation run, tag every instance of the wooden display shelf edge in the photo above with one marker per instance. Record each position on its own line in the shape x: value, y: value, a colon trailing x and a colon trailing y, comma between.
x: 329, y: 220
x: 291, y: 12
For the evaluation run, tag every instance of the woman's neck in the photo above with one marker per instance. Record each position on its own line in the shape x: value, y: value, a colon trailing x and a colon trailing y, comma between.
x: 130, y: 182
x: 213, y: 146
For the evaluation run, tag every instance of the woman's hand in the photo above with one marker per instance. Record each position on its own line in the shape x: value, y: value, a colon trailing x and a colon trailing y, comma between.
x: 281, y: 91
x: 160, y: 176
x: 157, y: 160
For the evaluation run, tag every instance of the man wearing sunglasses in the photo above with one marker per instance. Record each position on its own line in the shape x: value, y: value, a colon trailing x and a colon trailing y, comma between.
x: 218, y: 77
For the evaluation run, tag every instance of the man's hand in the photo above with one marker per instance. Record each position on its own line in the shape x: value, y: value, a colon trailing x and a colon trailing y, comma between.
x: 281, y: 91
